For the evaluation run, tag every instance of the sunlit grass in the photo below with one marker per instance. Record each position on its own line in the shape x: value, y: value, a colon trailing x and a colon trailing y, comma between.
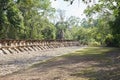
x: 100, y: 55
x: 91, y: 52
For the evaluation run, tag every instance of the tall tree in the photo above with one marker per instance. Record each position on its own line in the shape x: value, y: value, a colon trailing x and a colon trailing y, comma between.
x: 11, y: 19
x: 109, y: 7
x: 36, y: 13
x: 61, y: 25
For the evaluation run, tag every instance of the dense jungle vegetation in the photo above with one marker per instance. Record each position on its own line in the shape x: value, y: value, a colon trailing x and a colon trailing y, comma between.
x: 36, y: 19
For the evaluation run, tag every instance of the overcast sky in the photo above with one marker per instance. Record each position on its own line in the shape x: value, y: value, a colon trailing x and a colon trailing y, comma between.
x: 76, y: 9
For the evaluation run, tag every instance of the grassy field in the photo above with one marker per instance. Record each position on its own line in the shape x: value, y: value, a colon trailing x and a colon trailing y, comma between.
x: 95, y: 63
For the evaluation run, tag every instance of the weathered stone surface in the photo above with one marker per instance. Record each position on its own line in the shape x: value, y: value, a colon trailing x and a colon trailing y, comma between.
x: 17, y: 46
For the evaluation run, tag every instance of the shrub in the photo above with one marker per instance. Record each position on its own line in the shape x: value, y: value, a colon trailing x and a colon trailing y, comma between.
x: 94, y: 44
x: 113, y: 41
x: 109, y: 40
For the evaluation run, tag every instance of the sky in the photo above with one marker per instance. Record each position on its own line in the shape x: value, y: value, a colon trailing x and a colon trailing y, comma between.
x: 76, y: 9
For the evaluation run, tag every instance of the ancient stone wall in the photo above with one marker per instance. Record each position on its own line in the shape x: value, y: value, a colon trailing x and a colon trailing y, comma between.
x: 12, y: 46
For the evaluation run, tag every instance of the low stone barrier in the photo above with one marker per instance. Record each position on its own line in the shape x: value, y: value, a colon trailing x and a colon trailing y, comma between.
x: 12, y: 46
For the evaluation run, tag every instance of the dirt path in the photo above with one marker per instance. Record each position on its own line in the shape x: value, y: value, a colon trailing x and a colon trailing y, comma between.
x: 10, y: 63
x: 87, y: 64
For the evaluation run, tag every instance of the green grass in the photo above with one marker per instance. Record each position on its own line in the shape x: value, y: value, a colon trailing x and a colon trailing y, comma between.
x: 96, y: 52
x: 106, y: 57
x: 91, y: 50
x: 108, y: 67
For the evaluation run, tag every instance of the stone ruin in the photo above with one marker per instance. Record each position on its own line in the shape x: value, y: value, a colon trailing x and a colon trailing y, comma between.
x: 17, y: 46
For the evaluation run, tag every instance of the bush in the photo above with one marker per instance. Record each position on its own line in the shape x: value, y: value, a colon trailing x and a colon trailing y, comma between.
x: 117, y: 40
x: 94, y: 44
x: 112, y: 41
x: 109, y: 40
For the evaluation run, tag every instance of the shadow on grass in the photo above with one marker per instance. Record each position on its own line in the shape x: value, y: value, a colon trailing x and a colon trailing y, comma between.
x: 99, y: 75
x: 108, y: 67
x: 81, y: 55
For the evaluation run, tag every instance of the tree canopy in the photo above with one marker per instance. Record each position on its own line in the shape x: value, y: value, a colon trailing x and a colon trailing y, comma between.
x: 110, y: 9
x: 36, y: 19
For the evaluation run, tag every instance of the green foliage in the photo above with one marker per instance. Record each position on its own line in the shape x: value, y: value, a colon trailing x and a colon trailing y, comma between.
x: 94, y: 44
x: 11, y: 19
x: 109, y: 40
x: 36, y: 19
x: 32, y: 19
x: 108, y: 8
x: 48, y: 31
x: 26, y: 19
x: 117, y: 40
x: 61, y: 28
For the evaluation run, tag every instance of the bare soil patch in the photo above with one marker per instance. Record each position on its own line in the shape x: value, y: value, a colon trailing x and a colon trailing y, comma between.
x: 88, y: 64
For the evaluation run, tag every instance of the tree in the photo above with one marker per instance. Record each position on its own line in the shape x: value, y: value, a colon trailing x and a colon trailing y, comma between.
x: 26, y: 19
x: 109, y: 7
x: 61, y: 25
x: 73, y: 24
x: 36, y: 15
x: 11, y: 19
